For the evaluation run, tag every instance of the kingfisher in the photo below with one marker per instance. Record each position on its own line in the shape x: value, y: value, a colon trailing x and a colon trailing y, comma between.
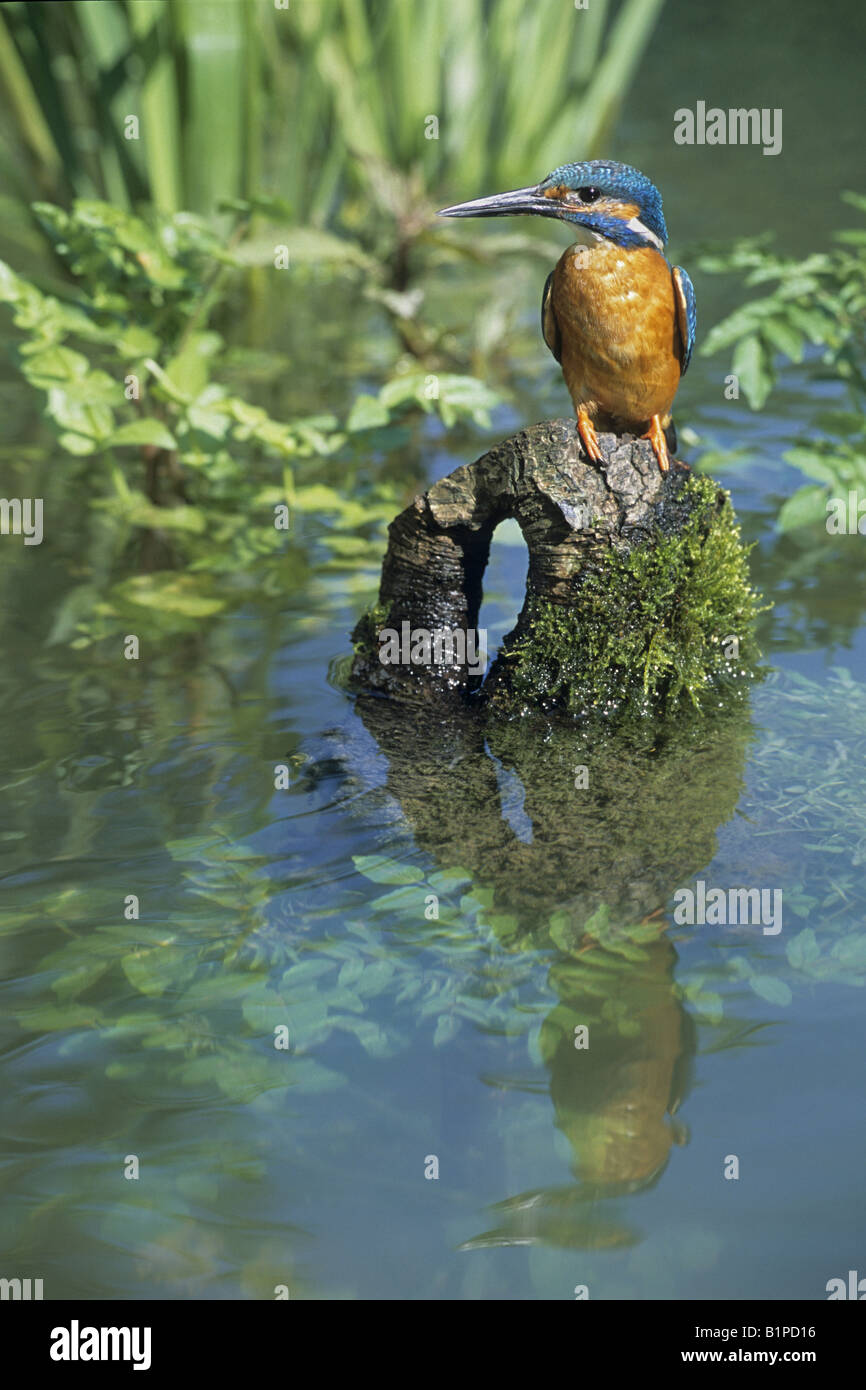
x: 618, y: 318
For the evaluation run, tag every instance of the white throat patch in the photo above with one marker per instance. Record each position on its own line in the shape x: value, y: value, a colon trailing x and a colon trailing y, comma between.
x: 635, y: 225
x: 585, y: 236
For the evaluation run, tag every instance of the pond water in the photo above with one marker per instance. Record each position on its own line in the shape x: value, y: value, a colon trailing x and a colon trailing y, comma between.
x: 433, y: 1129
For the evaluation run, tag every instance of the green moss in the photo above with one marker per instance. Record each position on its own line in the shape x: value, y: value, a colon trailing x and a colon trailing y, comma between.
x: 648, y: 629
x: 365, y: 635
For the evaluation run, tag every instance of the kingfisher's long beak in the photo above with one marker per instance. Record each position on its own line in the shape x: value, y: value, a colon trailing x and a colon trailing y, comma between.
x: 519, y: 200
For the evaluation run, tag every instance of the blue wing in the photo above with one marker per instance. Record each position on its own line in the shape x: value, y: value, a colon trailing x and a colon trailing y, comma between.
x: 549, y: 326
x: 687, y: 313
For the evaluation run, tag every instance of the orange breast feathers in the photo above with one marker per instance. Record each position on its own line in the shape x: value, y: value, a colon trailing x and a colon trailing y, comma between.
x: 610, y: 318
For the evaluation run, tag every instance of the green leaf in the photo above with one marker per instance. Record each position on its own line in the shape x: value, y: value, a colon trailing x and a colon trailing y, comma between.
x: 374, y: 979
x: 125, y: 1071
x: 213, y: 423
x: 505, y: 924
x: 372, y: 1038
x: 750, y: 366
x: 264, y: 1010
x: 805, y: 507
x: 783, y: 336
x: 151, y: 972
x: 447, y: 1028
x: 379, y: 868
x: 851, y: 951
x: 367, y: 413
x: 803, y: 948
x: 135, y: 341
x: 243, y: 1078
x: 449, y: 880
x: 775, y: 991
x: 182, y: 594
x: 599, y: 922
x: 138, y: 510
x: 564, y: 933
x: 54, y: 365
x: 308, y: 970
x: 340, y: 998
x: 220, y: 988
x: 75, y: 981
x: 479, y: 897
x: 77, y: 603
x: 454, y: 396
x: 143, y: 432
x: 50, y: 1017
x: 408, y: 900
x: 351, y: 971
x: 189, y: 370
x: 78, y: 444
x: 814, y: 465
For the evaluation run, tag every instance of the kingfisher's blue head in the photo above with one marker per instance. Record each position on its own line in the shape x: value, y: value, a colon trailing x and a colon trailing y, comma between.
x: 612, y: 200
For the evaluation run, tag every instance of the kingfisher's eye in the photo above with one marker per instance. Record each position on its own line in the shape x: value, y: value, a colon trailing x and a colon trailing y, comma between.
x: 588, y: 195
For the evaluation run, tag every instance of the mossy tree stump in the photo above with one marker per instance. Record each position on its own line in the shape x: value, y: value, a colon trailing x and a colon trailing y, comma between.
x: 637, y: 592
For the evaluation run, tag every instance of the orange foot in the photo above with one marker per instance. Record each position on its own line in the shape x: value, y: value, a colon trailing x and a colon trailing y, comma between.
x: 656, y: 436
x: 586, y: 430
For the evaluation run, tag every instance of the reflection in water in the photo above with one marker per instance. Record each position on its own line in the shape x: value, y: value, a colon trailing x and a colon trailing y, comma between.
x: 613, y: 1102
x: 583, y: 863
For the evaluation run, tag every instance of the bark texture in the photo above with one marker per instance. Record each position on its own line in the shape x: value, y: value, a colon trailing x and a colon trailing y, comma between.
x: 579, y: 519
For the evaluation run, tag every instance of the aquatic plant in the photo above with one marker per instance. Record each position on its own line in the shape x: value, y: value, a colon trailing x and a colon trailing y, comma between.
x: 814, y: 313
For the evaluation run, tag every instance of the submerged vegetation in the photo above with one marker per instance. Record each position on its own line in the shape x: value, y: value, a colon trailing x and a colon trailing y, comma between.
x: 243, y: 955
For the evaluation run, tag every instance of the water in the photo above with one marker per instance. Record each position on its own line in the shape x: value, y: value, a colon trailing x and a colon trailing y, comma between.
x: 411, y: 1039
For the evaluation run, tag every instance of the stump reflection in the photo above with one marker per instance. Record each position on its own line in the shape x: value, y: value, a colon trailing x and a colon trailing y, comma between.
x: 583, y: 862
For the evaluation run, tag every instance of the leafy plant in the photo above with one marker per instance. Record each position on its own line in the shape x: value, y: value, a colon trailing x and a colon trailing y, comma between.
x: 212, y: 89
x: 130, y: 368
x: 189, y: 73
x: 815, y: 303
x: 359, y: 114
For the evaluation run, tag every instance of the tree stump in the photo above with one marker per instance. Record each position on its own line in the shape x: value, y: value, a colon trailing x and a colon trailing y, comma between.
x: 637, y: 593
